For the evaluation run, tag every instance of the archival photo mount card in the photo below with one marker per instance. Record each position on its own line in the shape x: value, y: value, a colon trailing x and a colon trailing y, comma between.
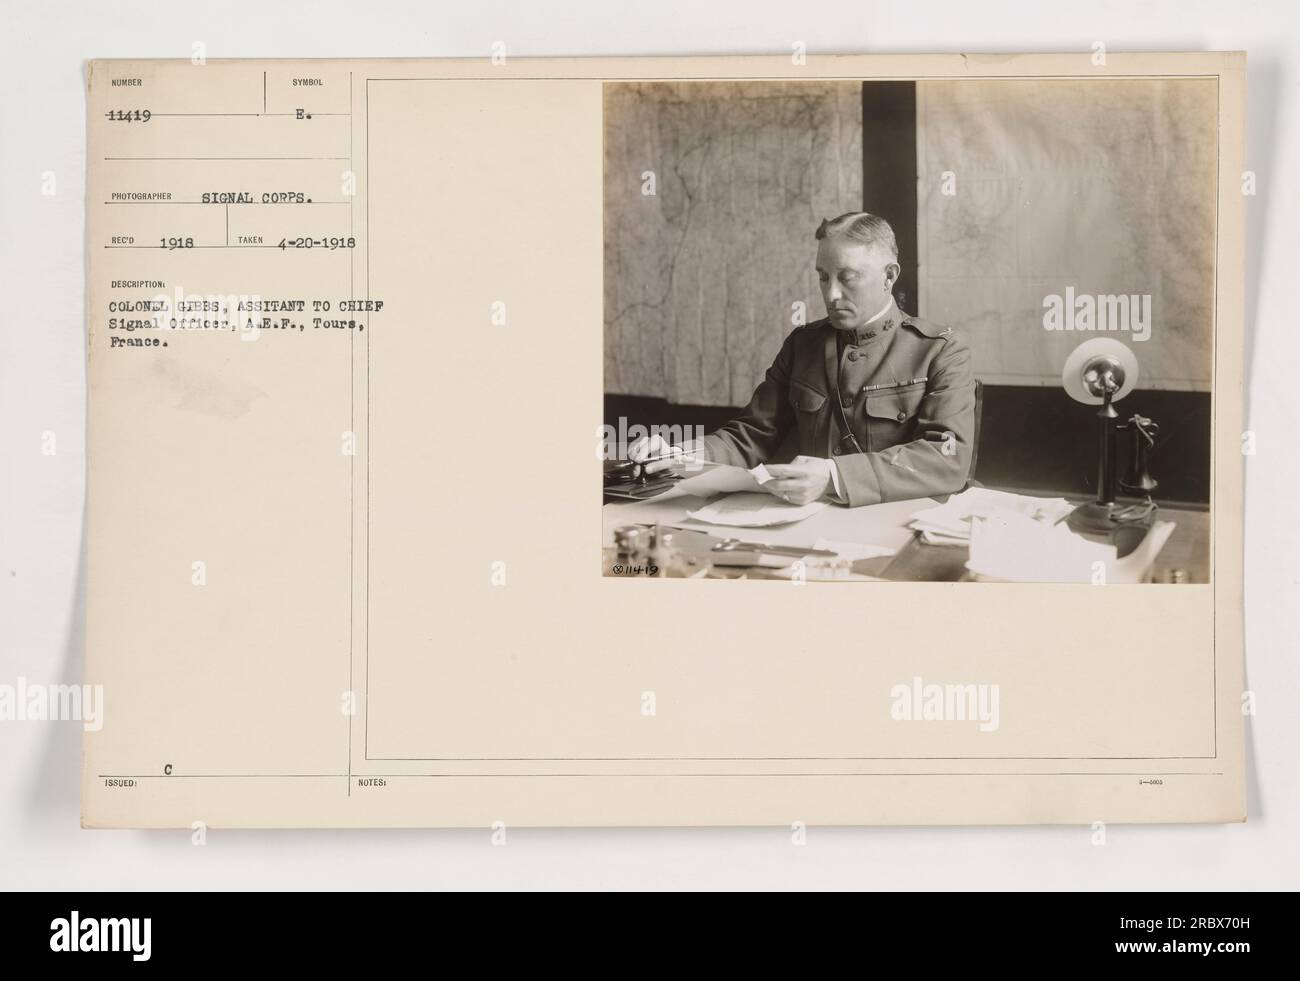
x: 364, y: 334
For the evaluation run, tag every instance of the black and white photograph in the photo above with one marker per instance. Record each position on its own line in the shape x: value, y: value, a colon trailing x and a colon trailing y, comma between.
x: 974, y: 318
x: 930, y: 330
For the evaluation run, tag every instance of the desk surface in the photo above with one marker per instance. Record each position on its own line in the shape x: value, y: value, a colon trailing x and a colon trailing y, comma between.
x: 886, y: 524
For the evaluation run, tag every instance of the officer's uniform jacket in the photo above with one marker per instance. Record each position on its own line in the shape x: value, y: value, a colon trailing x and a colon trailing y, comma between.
x: 908, y: 396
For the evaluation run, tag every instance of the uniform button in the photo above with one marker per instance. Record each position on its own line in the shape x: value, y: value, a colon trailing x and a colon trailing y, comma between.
x: 902, y: 417
x: 836, y: 452
x: 853, y: 355
x: 847, y: 403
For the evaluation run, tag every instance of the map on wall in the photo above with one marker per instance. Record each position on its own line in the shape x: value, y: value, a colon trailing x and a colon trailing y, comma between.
x: 1075, y: 205
x: 713, y: 193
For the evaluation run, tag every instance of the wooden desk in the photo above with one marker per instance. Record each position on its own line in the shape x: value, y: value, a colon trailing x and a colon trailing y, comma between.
x: 886, y: 525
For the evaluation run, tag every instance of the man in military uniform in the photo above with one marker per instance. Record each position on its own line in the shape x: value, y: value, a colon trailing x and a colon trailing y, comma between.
x: 879, y: 405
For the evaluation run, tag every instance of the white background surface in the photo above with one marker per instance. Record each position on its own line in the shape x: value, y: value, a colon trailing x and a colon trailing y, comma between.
x: 42, y: 388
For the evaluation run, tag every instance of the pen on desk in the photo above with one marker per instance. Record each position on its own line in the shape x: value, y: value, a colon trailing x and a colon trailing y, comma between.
x: 656, y: 459
x: 638, y: 466
x: 735, y: 544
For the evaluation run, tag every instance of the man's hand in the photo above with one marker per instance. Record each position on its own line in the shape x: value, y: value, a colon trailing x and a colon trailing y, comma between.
x: 801, y: 482
x: 654, y: 447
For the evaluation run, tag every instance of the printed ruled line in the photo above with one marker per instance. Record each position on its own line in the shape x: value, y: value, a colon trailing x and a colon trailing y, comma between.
x: 209, y: 204
x: 653, y: 776
x: 352, y: 459
x: 773, y: 759
x: 191, y: 248
x: 225, y: 158
x: 247, y: 115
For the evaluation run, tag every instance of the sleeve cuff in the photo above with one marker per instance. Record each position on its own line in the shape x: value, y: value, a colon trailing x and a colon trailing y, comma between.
x: 860, y: 479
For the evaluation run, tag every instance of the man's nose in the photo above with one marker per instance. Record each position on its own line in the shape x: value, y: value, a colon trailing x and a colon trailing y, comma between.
x: 833, y: 290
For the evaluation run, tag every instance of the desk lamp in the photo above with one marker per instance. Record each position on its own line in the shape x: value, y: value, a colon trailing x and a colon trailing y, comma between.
x: 1100, y: 372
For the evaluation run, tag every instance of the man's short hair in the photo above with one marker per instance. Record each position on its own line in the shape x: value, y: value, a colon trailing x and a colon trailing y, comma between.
x: 861, y: 226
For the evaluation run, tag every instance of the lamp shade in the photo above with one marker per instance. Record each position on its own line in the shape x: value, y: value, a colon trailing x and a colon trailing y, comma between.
x: 1092, y: 363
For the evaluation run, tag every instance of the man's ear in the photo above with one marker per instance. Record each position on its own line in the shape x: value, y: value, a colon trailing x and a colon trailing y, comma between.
x: 892, y: 272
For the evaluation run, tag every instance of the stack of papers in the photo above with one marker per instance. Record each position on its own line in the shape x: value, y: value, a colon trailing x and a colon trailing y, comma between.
x: 754, y: 510
x: 1019, y: 549
x: 1015, y: 548
x: 743, y: 504
x: 950, y: 523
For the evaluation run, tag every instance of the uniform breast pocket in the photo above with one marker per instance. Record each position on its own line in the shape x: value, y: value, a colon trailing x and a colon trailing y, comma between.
x: 891, y: 415
x: 808, y: 404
